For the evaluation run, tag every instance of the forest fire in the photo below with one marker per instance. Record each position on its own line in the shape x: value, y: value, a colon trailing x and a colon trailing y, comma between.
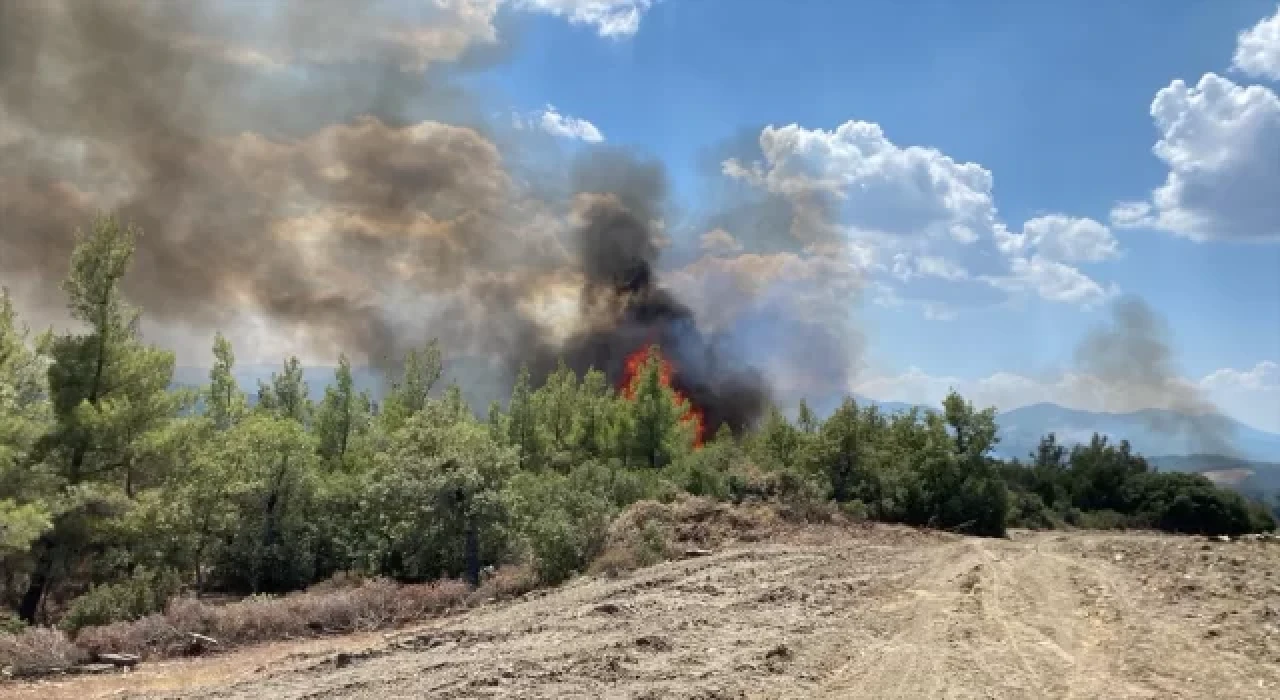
x: 691, y: 415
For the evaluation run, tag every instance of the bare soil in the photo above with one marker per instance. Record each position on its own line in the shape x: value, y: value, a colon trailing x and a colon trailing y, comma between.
x: 823, y: 612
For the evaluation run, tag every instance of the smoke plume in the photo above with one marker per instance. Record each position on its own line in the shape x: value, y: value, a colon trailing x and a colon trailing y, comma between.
x: 326, y: 176
x: 1133, y: 352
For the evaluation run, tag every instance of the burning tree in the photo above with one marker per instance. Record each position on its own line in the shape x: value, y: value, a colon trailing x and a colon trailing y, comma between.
x: 663, y: 423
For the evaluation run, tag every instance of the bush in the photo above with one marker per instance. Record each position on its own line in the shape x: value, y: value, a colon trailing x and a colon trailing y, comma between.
x: 640, y: 536
x: 371, y: 605
x: 1028, y: 510
x: 11, y: 624
x: 563, y: 521
x: 979, y: 507
x: 37, y: 650
x: 144, y: 593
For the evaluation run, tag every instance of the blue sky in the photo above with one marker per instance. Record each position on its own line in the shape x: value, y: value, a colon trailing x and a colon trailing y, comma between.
x: 1053, y: 99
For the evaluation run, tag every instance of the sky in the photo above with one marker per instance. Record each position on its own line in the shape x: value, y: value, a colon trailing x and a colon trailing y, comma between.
x: 972, y: 185
x: 1045, y: 122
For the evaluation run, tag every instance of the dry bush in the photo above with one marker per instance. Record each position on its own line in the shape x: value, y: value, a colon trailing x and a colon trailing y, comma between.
x: 333, y: 609
x: 507, y: 582
x: 37, y: 650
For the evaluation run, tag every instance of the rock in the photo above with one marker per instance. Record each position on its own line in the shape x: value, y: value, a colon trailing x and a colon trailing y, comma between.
x: 120, y: 660
x: 695, y: 552
x: 653, y: 642
x: 607, y: 609
x: 94, y: 669
x: 780, y: 653
x: 198, y: 643
x: 1222, y: 538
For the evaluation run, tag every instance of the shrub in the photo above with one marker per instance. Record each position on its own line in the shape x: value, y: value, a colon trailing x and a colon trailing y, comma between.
x: 371, y: 605
x: 37, y: 650
x: 1028, y: 510
x: 10, y: 623
x: 563, y: 524
x: 144, y: 593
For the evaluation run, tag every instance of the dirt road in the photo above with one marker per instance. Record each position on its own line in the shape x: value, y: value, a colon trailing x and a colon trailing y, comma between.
x: 876, y: 612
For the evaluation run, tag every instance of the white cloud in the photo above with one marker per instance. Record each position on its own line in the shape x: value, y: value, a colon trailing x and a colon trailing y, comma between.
x: 1249, y: 395
x: 1052, y: 281
x: 1062, y: 238
x: 551, y: 121
x: 610, y: 18
x: 1221, y: 142
x: 1258, y: 49
x: 934, y: 266
x: 929, y: 214
x: 877, y: 186
x: 719, y: 242
x: 557, y: 124
x: 1264, y: 376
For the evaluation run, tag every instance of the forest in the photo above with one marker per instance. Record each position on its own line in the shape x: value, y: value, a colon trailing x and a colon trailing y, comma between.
x: 120, y: 494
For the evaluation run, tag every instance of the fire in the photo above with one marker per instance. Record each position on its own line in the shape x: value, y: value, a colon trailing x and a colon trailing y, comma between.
x: 692, y: 415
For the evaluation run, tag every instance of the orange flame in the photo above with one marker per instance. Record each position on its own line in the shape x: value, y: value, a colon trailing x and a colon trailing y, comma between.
x: 692, y: 415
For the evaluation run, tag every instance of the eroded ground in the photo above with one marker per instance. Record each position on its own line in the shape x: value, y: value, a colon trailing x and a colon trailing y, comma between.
x: 863, y: 612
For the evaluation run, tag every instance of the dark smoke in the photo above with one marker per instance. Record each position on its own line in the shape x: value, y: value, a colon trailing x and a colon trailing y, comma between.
x: 1133, y: 352
x: 627, y: 309
x: 276, y: 158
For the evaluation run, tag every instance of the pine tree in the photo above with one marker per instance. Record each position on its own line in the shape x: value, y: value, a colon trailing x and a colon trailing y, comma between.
x: 287, y: 395
x: 108, y: 389
x: 522, y: 423
x: 656, y: 430
x: 422, y: 370
x: 554, y: 403
x: 225, y: 403
x: 343, y: 414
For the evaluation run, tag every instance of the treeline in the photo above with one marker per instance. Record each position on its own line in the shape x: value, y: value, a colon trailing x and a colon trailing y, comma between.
x: 117, y: 491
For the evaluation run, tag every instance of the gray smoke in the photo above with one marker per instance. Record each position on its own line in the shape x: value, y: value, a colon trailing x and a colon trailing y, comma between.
x: 302, y: 161
x: 1133, y: 352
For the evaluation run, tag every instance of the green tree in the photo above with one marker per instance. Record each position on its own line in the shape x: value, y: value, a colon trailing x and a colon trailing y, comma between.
x: 225, y: 402
x: 657, y: 432
x: 592, y: 416
x: 342, y: 416
x: 108, y: 389
x: 554, y: 404
x: 522, y: 423
x: 408, y: 396
x: 287, y: 395
x: 805, y: 420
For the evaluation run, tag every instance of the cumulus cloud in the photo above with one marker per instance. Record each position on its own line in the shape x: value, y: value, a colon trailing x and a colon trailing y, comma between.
x: 857, y: 175
x: 551, y: 121
x: 930, y: 216
x: 610, y: 18
x: 1264, y: 376
x: 1221, y: 142
x: 1061, y: 238
x: 1258, y: 49
x: 1052, y: 281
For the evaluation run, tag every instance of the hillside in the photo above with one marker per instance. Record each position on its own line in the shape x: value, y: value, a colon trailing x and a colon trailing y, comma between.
x: 812, y: 612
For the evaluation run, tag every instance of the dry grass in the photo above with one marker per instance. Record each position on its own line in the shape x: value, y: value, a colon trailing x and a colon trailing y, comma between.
x: 37, y: 650
x: 340, y: 608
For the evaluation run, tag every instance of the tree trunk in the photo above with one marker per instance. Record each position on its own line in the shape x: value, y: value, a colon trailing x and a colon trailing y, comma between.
x: 473, y: 551
x: 30, y: 604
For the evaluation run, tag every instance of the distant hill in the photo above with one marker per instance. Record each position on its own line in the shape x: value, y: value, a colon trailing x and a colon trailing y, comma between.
x: 1021, y: 429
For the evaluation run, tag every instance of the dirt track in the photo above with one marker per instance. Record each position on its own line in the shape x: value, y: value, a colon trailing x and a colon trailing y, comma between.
x: 877, y: 612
